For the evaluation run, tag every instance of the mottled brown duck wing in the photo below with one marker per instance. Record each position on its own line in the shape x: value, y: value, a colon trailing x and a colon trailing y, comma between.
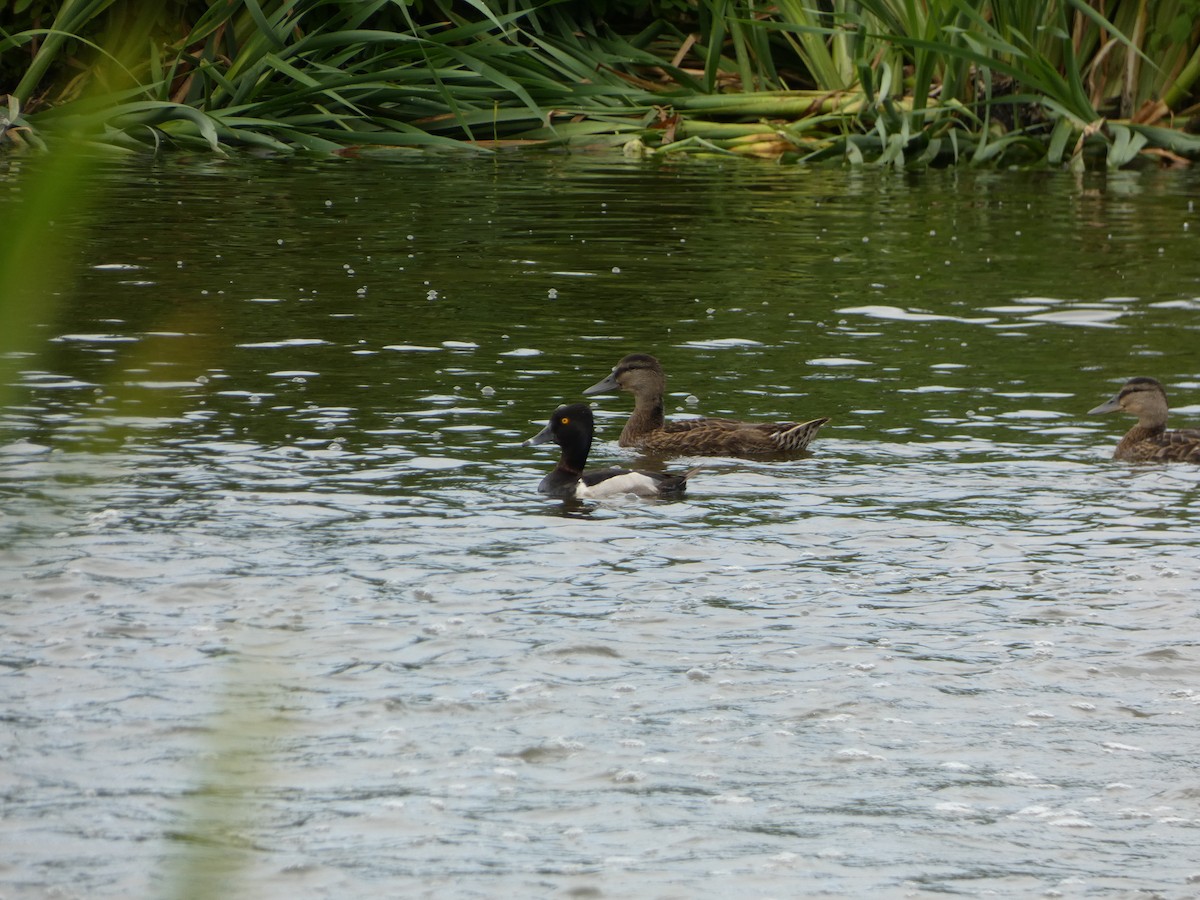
x: 725, y: 437
x: 1178, y: 446
x: 682, y: 426
x: 713, y: 441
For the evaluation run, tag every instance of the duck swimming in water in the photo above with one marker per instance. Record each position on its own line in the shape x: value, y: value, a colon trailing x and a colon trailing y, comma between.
x: 642, y: 376
x: 571, y: 427
x: 1149, y: 439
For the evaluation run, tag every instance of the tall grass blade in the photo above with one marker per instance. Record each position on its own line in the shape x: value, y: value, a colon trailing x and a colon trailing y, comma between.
x: 264, y: 72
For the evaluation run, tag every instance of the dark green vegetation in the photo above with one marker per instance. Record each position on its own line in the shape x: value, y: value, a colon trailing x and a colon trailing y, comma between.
x: 899, y: 82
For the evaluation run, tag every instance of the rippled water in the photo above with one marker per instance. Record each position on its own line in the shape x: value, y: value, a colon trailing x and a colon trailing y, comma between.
x: 284, y: 616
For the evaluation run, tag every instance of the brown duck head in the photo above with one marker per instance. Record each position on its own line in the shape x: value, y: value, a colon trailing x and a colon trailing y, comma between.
x: 638, y: 373
x: 1141, y: 397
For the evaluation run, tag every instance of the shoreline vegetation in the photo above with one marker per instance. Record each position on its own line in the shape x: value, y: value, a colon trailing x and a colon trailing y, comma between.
x: 902, y: 83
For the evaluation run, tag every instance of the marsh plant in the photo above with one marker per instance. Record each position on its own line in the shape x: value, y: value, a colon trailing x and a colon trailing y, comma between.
x: 897, y: 82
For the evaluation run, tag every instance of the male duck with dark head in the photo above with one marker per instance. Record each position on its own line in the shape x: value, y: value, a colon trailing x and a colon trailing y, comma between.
x: 571, y: 427
x: 647, y: 430
x: 1149, y: 439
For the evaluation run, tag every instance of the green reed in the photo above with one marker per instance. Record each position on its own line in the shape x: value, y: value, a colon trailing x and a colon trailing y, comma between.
x: 897, y: 82
x: 210, y: 849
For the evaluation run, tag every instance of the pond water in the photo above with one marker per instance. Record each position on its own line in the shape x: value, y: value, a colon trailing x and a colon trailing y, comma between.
x: 282, y: 614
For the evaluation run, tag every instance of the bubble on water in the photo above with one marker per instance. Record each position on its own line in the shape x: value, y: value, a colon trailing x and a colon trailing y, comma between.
x: 1117, y: 746
x: 431, y: 294
x: 488, y: 391
x: 732, y: 799
x: 616, y: 270
x: 855, y: 754
x: 329, y: 203
x: 954, y: 809
x: 552, y: 294
x: 104, y: 517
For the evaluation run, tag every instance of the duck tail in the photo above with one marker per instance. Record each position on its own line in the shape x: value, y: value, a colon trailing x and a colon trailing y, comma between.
x: 798, y: 437
x: 677, y: 484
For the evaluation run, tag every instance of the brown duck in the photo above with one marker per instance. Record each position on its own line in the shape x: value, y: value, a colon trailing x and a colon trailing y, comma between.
x: 1149, y: 438
x: 647, y: 430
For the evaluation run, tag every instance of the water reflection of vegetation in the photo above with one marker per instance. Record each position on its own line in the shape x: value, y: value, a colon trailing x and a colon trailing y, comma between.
x: 901, y: 83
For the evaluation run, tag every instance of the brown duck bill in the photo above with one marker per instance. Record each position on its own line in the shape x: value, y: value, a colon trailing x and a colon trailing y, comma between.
x: 1111, y: 405
x: 606, y: 386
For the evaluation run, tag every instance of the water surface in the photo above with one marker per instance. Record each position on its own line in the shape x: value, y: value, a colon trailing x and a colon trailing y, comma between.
x: 283, y: 614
